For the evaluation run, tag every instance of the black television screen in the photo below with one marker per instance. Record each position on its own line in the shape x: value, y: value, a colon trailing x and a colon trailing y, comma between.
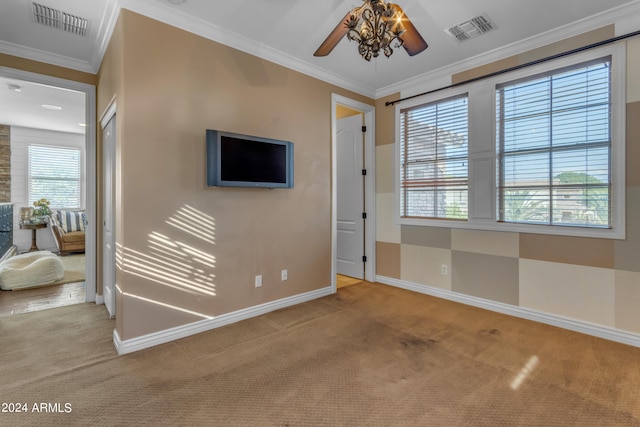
x: 247, y: 161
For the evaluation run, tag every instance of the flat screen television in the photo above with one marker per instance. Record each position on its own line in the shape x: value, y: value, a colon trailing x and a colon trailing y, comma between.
x: 235, y: 160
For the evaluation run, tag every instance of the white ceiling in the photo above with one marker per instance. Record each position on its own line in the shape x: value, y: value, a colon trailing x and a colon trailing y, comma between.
x: 289, y: 31
x: 25, y: 108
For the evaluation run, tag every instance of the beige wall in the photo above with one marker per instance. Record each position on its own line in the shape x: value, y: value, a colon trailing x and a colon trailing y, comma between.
x: 189, y: 252
x: 342, y: 112
x: 593, y: 280
x: 46, y: 69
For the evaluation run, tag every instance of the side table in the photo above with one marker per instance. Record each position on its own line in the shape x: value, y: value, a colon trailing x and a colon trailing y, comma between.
x: 33, y: 226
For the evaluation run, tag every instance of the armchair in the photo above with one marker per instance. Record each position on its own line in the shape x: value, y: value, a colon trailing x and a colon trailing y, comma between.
x: 68, y: 228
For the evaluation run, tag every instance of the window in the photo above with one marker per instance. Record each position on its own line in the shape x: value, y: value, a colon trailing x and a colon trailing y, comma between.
x: 540, y: 149
x: 55, y: 174
x: 554, y: 147
x: 434, y: 160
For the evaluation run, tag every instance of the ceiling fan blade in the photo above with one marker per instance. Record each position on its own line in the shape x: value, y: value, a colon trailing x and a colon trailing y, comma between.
x: 412, y: 41
x: 334, y: 38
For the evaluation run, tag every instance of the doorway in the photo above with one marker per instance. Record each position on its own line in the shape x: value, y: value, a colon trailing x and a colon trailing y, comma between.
x: 89, y: 177
x: 350, y: 186
x: 353, y: 189
x: 108, y: 125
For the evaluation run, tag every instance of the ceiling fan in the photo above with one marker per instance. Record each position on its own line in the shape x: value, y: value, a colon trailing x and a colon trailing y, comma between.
x: 375, y: 25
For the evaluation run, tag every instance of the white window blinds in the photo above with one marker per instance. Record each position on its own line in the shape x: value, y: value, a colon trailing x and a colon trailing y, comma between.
x: 55, y: 174
x: 554, y: 147
x: 434, y: 160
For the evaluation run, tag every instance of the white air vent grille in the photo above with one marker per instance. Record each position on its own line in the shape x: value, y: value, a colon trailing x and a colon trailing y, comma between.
x: 58, y: 19
x: 471, y: 28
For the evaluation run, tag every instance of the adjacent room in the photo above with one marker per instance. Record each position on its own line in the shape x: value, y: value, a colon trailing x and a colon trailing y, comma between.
x: 44, y: 190
x: 320, y: 213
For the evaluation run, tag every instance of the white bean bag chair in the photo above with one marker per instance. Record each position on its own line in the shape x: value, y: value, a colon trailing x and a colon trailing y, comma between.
x: 30, y: 269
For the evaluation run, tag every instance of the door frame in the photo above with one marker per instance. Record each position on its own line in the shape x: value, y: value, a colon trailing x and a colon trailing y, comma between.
x: 90, y: 166
x: 350, y: 187
x: 110, y: 113
x: 368, y: 112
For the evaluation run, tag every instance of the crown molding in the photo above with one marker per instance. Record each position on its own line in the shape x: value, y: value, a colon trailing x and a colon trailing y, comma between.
x: 171, y: 16
x: 176, y: 18
x: 418, y: 83
x: 105, y: 31
x: 46, y: 57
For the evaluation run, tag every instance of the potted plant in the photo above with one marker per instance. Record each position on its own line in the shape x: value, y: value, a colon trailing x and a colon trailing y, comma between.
x: 42, y: 210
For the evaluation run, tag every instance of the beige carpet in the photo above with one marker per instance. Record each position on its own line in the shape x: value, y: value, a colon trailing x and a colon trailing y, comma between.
x: 370, y: 355
x: 73, y: 269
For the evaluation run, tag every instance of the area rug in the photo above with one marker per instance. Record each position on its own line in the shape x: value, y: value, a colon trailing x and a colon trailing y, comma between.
x: 73, y: 269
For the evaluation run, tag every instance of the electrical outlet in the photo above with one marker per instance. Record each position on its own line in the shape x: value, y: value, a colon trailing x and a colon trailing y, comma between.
x: 444, y: 269
x: 258, y: 280
x: 283, y: 275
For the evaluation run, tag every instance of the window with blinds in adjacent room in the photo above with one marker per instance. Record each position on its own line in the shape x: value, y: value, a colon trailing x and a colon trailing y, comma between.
x: 55, y: 174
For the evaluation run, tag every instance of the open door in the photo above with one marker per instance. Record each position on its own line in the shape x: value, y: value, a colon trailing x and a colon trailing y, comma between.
x: 353, y: 190
x: 108, y: 254
x: 350, y: 194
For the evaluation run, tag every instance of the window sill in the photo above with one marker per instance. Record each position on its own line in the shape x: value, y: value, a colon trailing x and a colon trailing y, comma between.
x: 617, y: 233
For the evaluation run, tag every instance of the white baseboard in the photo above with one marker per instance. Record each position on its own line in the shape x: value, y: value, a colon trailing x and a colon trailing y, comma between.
x: 99, y: 299
x: 172, y: 334
x: 587, y: 328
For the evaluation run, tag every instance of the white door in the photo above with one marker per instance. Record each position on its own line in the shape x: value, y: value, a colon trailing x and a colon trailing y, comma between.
x: 350, y: 197
x: 108, y: 257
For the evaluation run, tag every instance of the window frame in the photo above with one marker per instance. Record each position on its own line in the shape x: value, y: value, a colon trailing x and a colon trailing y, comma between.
x: 547, y: 191
x: 456, y: 96
x: 80, y: 179
x: 483, y: 157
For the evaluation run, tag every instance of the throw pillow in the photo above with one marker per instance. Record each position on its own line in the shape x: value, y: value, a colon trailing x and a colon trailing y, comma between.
x: 71, y: 221
x: 54, y: 218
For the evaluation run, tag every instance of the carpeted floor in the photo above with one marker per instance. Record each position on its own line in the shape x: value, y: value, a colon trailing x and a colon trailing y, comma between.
x: 371, y: 355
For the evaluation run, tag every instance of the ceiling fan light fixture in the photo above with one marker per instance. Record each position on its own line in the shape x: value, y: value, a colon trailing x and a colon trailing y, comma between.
x: 375, y: 26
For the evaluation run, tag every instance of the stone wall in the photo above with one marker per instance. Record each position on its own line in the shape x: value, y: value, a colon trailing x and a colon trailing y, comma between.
x: 5, y: 164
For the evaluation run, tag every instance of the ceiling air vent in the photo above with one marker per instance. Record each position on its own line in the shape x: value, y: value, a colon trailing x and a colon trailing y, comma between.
x: 58, y: 19
x: 471, y: 28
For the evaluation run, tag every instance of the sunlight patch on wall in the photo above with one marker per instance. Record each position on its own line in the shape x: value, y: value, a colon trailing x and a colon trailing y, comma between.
x: 171, y: 262
x: 119, y: 255
x: 172, y: 307
x: 166, y: 245
x: 176, y: 275
x: 194, y: 222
